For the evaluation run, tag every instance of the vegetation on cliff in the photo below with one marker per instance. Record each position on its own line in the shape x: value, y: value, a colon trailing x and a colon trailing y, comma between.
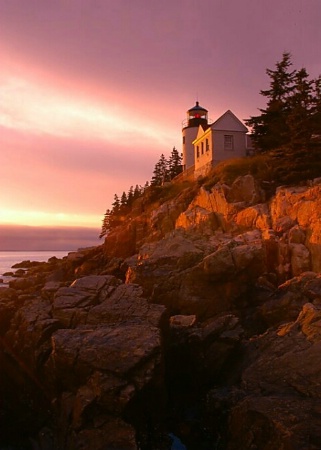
x: 165, y: 170
x: 286, y: 135
x: 292, y: 116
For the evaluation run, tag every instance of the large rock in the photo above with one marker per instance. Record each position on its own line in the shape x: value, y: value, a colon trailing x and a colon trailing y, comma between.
x: 257, y: 216
x: 220, y: 264
x: 125, y: 303
x: 231, y: 259
x: 71, y: 304
x: 285, y: 304
x: 209, y: 210
x: 274, y: 423
x: 197, y: 352
x: 301, y: 205
x: 159, y: 260
x: 282, y: 388
x: 300, y: 259
x: 245, y: 189
x: 30, y: 330
x: 93, y: 346
x: 121, y: 242
x: 123, y: 351
x: 289, y: 362
x: 103, y: 350
x: 111, y: 434
x: 8, y: 306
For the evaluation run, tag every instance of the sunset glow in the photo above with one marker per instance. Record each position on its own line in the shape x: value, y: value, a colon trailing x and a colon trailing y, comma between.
x: 39, y: 109
x: 41, y: 218
x: 92, y: 94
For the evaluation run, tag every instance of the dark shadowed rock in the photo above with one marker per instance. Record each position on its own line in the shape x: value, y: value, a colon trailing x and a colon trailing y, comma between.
x: 282, y: 385
x: 285, y: 304
x: 26, y: 264
x: 126, y: 303
x: 274, y: 423
x: 71, y: 304
x: 30, y: 331
x: 8, y: 307
x: 116, y: 349
x: 200, y: 316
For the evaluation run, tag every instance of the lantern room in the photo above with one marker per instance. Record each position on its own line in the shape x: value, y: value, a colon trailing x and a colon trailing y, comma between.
x: 196, y: 116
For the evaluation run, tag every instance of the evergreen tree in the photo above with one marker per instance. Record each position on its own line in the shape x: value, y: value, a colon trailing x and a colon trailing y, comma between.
x: 116, y: 205
x: 123, y: 204
x: 270, y: 129
x: 123, y: 200
x: 293, y: 113
x: 130, y: 196
x: 316, y: 117
x: 106, y: 224
x: 161, y: 172
x: 300, y: 111
x: 137, y: 191
x: 174, y: 164
x: 156, y: 178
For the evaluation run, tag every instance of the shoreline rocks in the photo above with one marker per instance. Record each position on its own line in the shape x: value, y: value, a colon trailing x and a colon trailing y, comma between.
x: 202, y: 321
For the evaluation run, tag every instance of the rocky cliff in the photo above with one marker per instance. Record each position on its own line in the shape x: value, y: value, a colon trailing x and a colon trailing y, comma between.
x: 197, y: 319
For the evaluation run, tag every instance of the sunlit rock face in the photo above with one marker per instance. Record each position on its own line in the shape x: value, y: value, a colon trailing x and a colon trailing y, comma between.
x: 199, y: 319
x: 302, y: 208
x: 289, y: 223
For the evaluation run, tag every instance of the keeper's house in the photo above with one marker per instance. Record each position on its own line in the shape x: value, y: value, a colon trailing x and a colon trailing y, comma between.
x: 206, y: 143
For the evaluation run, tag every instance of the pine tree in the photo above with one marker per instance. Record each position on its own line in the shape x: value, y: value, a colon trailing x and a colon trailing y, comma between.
x: 123, y: 199
x: 157, y: 176
x: 123, y: 204
x: 116, y: 205
x: 130, y: 196
x: 161, y: 172
x: 270, y: 129
x: 300, y: 111
x: 106, y: 224
x: 137, y: 191
x: 316, y: 115
x: 175, y: 164
x: 293, y: 113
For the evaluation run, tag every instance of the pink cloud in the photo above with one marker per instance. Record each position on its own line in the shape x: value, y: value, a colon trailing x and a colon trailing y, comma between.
x: 105, y: 86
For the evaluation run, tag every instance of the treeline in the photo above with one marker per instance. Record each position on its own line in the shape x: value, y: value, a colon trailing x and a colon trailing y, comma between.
x: 164, y: 171
x: 292, y: 117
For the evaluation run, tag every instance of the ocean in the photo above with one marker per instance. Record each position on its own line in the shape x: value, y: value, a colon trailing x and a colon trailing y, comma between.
x: 8, y: 259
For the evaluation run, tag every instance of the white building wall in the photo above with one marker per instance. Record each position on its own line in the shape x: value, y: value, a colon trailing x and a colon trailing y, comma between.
x: 220, y: 153
x: 211, y: 146
x: 204, y: 157
x: 189, y: 134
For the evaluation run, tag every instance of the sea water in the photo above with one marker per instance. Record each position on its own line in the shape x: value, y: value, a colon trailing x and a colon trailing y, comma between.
x: 8, y: 259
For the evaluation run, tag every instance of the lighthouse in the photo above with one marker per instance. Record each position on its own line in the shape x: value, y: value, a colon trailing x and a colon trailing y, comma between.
x: 195, y: 116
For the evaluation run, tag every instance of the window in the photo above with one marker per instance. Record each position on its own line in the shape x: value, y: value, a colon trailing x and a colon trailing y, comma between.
x: 228, y: 142
x: 202, y: 148
x: 183, y: 139
x: 197, y: 151
x: 207, y: 145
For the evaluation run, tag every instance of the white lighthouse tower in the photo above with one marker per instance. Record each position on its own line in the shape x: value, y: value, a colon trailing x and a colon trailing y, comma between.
x: 195, y: 116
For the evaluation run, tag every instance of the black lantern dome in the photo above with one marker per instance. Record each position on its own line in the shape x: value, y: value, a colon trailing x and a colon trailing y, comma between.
x: 197, y: 116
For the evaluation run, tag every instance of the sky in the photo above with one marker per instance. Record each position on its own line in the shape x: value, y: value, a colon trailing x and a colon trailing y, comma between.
x: 92, y: 92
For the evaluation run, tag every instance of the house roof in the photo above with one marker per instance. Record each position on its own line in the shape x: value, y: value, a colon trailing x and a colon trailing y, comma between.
x: 229, y: 122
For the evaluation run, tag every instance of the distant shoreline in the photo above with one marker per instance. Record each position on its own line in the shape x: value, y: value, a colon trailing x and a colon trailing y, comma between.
x: 23, y: 238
